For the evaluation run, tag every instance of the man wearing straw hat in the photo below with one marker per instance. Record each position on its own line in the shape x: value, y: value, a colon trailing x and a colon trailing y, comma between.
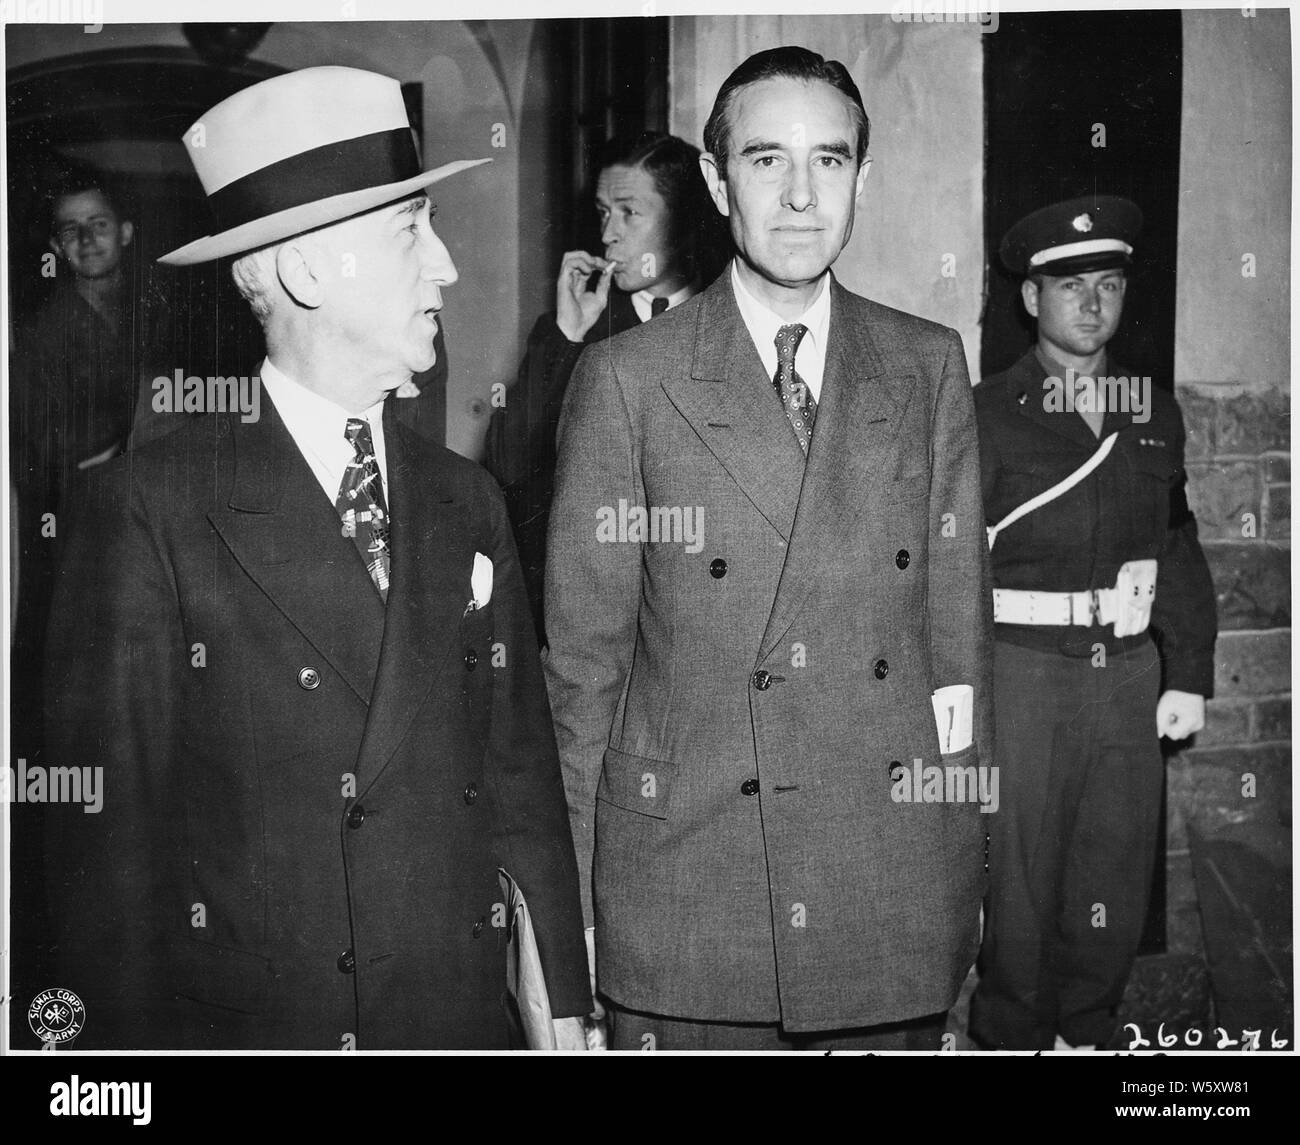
x: 298, y: 646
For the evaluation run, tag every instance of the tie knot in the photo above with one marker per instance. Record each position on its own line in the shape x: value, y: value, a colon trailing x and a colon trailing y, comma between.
x: 787, y: 341
x: 357, y: 432
x: 658, y: 306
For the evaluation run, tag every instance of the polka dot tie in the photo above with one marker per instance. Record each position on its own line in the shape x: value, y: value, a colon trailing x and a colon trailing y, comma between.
x: 796, y: 398
x: 361, y: 505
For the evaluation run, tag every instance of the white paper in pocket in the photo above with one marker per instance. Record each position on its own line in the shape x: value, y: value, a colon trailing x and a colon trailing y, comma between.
x: 480, y: 583
x: 954, y: 708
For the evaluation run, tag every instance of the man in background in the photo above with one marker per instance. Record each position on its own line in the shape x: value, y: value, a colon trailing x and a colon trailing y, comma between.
x: 76, y: 370
x: 79, y: 360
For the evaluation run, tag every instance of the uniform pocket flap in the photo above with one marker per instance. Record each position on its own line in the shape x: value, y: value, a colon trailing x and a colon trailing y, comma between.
x: 636, y: 783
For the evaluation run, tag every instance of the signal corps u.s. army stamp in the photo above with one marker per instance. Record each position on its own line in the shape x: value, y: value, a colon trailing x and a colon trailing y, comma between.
x: 56, y: 1016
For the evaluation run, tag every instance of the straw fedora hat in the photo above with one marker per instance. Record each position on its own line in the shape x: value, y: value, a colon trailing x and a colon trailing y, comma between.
x: 300, y: 151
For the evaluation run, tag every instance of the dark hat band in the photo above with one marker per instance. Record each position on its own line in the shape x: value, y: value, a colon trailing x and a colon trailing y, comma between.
x: 1082, y: 264
x: 358, y: 164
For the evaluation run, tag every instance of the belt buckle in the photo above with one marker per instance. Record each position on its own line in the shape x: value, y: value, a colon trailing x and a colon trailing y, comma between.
x: 1094, y: 608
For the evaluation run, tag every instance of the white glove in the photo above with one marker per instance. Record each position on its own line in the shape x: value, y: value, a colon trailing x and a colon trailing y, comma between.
x: 1179, y: 714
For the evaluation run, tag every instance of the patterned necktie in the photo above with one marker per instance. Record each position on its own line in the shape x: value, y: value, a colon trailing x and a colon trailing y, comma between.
x: 658, y: 306
x: 796, y: 398
x: 361, y: 505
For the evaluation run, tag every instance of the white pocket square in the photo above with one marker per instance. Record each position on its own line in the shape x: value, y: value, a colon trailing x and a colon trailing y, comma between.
x: 954, y: 712
x: 480, y: 583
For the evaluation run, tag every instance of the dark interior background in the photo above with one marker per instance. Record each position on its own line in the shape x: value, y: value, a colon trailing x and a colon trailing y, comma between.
x: 618, y: 86
x: 1048, y: 77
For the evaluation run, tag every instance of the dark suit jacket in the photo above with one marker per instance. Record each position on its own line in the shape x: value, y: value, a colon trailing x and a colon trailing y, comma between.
x: 520, y: 443
x: 306, y: 794
x: 728, y: 718
x: 1132, y: 507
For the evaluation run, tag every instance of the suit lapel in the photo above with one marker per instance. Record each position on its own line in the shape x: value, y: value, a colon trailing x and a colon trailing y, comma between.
x: 855, y: 447
x: 730, y: 403
x: 285, y: 534
x: 428, y: 592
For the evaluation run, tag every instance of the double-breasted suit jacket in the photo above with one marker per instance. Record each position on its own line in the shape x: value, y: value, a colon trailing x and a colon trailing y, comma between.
x: 307, y: 794
x: 728, y: 718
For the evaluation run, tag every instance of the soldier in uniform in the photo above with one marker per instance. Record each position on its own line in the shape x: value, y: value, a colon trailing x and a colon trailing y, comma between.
x: 1083, y: 583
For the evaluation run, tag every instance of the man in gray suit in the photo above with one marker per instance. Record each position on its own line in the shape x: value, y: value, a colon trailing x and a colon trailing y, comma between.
x: 767, y: 551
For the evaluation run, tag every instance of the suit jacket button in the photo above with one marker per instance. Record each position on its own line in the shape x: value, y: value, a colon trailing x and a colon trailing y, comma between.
x: 881, y: 669
x: 356, y: 816
x: 749, y: 787
x: 903, y: 559
x: 762, y: 679
x: 347, y: 962
x: 478, y: 927
x: 471, y: 658
x: 471, y: 793
x: 308, y: 679
x: 717, y: 568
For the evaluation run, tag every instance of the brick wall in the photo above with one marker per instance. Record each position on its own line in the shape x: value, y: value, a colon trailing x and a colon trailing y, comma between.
x: 1238, y: 467
x: 1232, y: 372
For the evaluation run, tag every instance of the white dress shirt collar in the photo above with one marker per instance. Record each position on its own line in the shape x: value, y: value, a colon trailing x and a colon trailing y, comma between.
x: 763, y: 324
x: 317, y: 426
x: 643, y: 300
